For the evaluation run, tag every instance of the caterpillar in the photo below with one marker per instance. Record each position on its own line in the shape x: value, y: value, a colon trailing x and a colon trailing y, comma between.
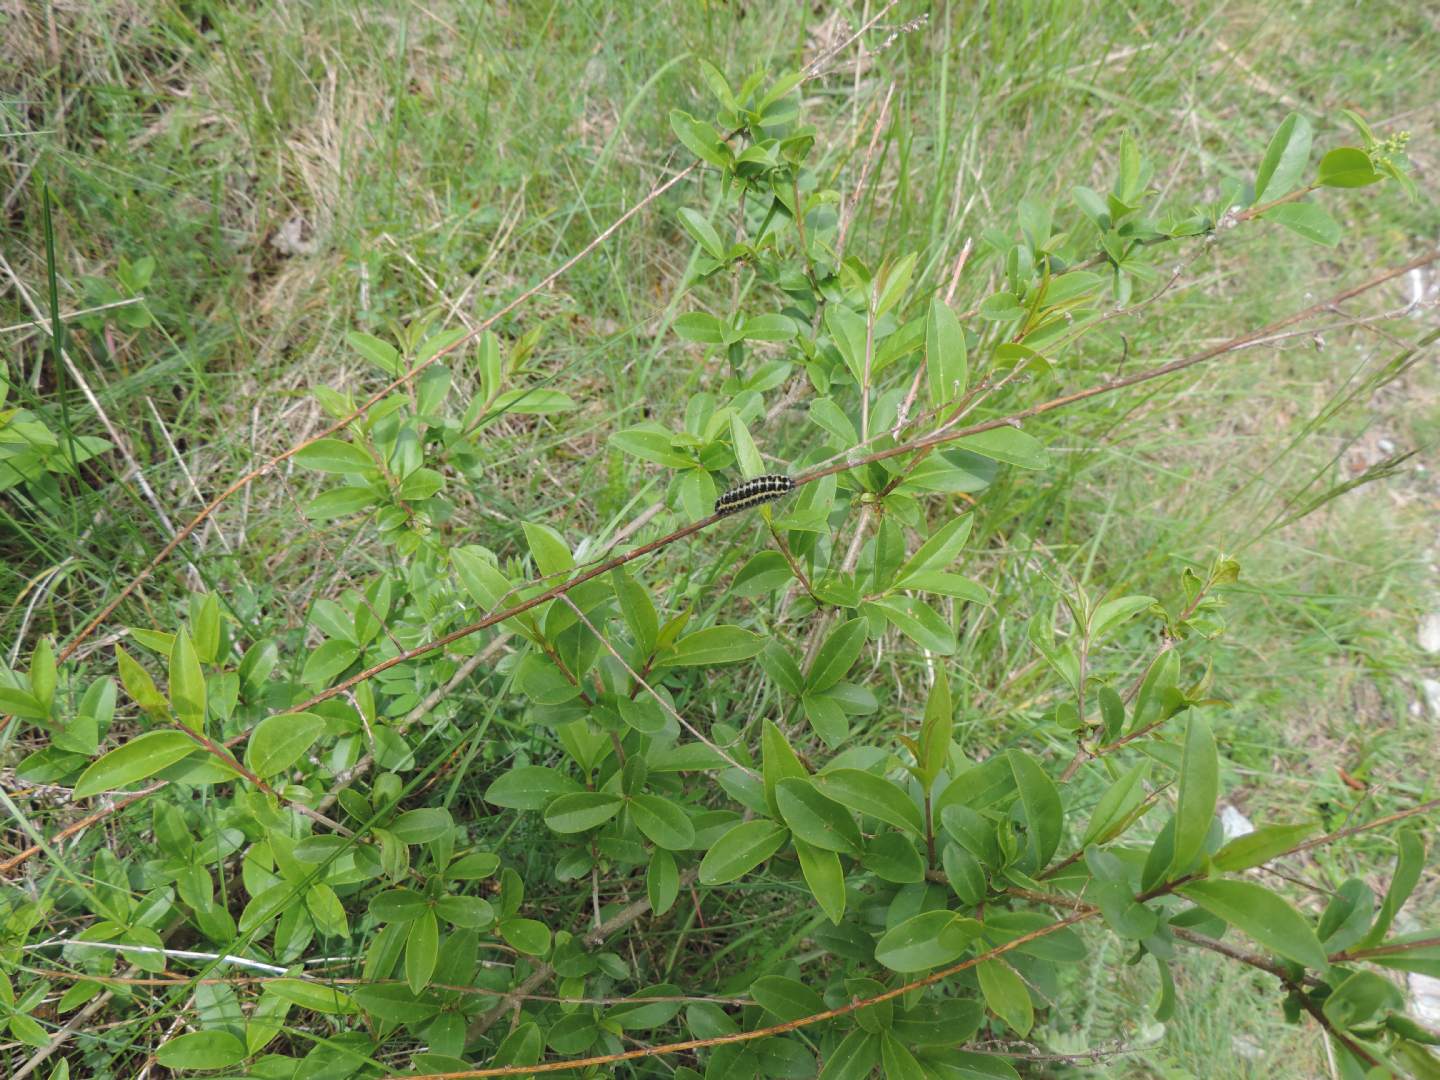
x: 762, y: 489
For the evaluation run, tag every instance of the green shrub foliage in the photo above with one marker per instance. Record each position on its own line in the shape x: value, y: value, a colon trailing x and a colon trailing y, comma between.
x: 511, y: 786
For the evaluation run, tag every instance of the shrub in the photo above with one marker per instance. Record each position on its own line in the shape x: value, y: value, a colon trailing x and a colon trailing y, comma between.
x: 687, y: 743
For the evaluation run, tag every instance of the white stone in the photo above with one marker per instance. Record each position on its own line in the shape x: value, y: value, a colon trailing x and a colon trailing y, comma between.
x: 1233, y: 823
x: 1425, y: 999
x: 1428, y: 633
x: 1431, y: 689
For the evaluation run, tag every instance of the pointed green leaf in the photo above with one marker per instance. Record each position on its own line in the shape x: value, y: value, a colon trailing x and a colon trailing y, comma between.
x: 841, y: 649
x: 662, y: 821
x: 279, y: 741
x: 1262, y: 915
x: 422, y: 949
x: 1044, y: 815
x: 1006, y: 995
x: 187, y: 683
x: 816, y: 819
x: 1009, y: 445
x: 945, y: 366
x: 871, y: 794
x: 715, y: 645
x: 741, y: 849
x: 825, y: 878
x: 1199, y: 789
x: 582, y: 810
x: 1285, y: 158
x: 141, y: 757
x: 928, y: 940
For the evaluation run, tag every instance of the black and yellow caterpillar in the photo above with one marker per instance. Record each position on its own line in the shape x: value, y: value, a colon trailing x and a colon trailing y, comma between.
x: 762, y: 489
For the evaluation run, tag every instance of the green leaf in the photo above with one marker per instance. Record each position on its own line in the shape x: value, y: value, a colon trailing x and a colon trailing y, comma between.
x: 1415, y: 952
x: 1408, y: 866
x: 1260, y: 846
x: 398, y: 905
x: 1112, y: 812
x: 699, y: 138
x: 764, y: 572
x: 847, y: 330
x: 529, y: 787
x: 650, y: 442
x: 703, y: 233
x: 928, y: 940
x: 393, y: 1002
x: 1199, y: 788
x: 534, y: 401
x: 841, y: 649
x: 777, y: 761
x: 965, y: 874
x: 662, y: 881
x: 942, y: 584
x: 936, y: 730
x: 201, y: 1050
x: 336, y: 456
x: 582, y: 810
x: 715, y: 645
x: 266, y: 905
x: 279, y: 741
x: 528, y: 935
x: 854, y: 1059
x: 326, y: 911
x: 548, y: 549
x: 829, y: 416
x: 945, y: 362
x: 640, y: 1012
x: 1310, y: 220
x: 141, y: 757
x: 22, y: 704
x: 1362, y: 997
x: 1001, y: 307
x: 741, y: 849
x: 1044, y: 815
x: 422, y: 949
x: 1285, y: 158
x: 42, y: 671
x: 939, y: 551
x: 917, y: 621
x: 380, y: 353
x: 312, y: 996
x: 773, y: 327
x: 891, y: 856
x: 897, y: 1062
x: 662, y: 821
x: 871, y: 794
x: 747, y: 455
x: 815, y: 819
x: 422, y: 825
x: 471, y: 912
x: 1262, y: 915
x: 700, y: 326
x: 787, y: 999
x: 1006, y: 995
x: 1346, y: 167
x: 1009, y: 445
x: 825, y: 878
x: 1114, y: 613
x: 637, y: 607
x: 140, y: 686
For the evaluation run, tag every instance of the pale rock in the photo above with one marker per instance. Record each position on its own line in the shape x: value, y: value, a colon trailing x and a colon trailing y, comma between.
x: 1431, y: 690
x: 1429, y: 633
x: 1425, y: 999
x: 1233, y: 823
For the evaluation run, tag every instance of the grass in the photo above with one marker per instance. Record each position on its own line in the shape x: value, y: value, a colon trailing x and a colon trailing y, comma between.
x: 296, y: 171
